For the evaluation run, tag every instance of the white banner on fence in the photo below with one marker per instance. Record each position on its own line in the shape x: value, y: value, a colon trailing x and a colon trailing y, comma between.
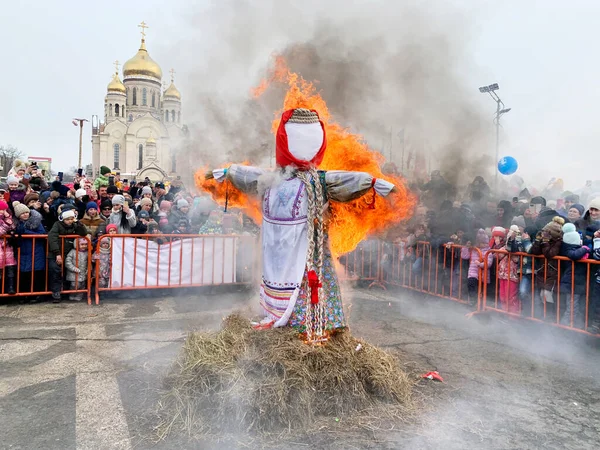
x: 202, y: 260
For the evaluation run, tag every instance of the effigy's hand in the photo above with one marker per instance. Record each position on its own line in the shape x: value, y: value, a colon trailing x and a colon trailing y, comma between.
x: 209, y: 175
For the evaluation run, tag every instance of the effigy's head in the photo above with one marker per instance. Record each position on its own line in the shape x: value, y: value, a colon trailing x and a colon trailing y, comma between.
x: 300, y: 139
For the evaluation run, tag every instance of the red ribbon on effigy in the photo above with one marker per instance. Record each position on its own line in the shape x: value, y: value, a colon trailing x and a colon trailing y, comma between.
x: 314, y: 284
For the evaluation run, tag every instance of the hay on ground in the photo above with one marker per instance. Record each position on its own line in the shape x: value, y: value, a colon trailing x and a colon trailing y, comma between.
x: 240, y: 380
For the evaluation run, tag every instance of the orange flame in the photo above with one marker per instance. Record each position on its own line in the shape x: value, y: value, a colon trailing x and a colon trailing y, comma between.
x: 350, y: 222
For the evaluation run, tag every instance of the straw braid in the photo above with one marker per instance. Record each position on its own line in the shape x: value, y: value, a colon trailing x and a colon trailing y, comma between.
x: 315, y: 199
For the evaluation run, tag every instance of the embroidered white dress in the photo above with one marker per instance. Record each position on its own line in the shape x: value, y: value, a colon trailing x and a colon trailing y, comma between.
x: 285, y: 240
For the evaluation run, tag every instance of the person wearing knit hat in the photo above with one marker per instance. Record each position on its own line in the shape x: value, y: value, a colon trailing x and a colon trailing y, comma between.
x: 3, y: 205
x: 111, y: 228
x: 498, y: 232
x: 112, y: 191
x: 80, y: 193
x: 118, y: 200
x: 520, y: 222
x: 181, y: 211
x: 147, y: 192
x: 570, y: 234
x: 476, y: 263
x: 58, y: 247
x: 12, y: 180
x: 575, y: 212
x: 21, y: 211
x: 554, y: 229
x: 122, y: 216
x: 92, y: 219
x: 572, y: 249
x: 145, y: 204
x: 102, y: 179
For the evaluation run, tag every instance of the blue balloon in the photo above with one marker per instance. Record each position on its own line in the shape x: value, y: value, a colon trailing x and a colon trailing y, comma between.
x: 508, y: 165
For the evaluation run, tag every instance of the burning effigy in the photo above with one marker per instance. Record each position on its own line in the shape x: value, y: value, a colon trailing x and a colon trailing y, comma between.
x: 322, y: 199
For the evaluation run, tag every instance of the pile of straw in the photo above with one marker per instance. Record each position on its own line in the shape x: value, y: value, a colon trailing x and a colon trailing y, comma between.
x: 240, y: 380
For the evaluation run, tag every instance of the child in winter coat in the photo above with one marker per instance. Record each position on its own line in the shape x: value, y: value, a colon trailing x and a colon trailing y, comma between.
x: 507, y: 270
x: 7, y: 254
x: 104, y: 262
x: 476, y: 262
x: 76, y: 264
x: 572, y: 249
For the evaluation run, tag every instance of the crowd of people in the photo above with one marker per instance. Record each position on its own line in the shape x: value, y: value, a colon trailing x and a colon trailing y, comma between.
x: 462, y: 229
x: 31, y: 206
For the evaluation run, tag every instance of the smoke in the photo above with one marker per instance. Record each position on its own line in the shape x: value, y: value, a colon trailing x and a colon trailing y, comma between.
x: 394, y: 73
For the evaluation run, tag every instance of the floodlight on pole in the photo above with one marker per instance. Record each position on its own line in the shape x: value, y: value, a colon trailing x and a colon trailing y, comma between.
x: 500, y: 110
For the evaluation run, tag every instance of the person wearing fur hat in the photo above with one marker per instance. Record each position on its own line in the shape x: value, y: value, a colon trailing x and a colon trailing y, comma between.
x: 121, y: 216
x: 102, y: 179
x: 60, y: 247
x: 32, y: 255
x: 573, y: 293
x: 7, y: 254
x: 295, y: 244
x: 76, y: 265
x: 92, y: 219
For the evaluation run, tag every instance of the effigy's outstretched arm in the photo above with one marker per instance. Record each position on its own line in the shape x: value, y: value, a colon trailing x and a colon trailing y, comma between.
x: 244, y: 178
x: 343, y: 186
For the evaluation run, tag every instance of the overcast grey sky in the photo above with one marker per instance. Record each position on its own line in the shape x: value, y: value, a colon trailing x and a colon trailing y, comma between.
x: 57, y: 58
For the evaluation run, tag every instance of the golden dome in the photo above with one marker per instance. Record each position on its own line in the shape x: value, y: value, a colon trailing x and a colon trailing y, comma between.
x: 151, y: 139
x: 116, y: 85
x: 142, y: 64
x: 172, y: 92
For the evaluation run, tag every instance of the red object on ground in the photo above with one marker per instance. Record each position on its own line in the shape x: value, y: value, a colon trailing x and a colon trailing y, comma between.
x: 433, y: 376
x: 264, y: 326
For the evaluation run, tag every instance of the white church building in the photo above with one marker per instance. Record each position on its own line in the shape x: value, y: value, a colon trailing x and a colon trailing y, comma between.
x: 142, y: 132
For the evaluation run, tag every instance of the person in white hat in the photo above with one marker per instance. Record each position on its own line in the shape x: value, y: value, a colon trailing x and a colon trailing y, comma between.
x: 59, y: 248
x: 122, y: 216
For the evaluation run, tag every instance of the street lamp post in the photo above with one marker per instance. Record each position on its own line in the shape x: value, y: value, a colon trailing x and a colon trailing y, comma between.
x: 500, y: 110
x: 80, y: 138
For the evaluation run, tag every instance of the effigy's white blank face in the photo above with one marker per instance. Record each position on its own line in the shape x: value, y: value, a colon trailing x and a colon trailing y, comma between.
x: 304, y: 139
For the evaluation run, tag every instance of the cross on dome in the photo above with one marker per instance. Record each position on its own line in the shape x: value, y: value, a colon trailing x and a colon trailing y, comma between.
x: 116, y: 63
x: 172, y: 72
x: 143, y: 26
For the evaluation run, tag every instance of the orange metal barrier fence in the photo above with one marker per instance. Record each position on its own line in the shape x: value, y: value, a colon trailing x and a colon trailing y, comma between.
x: 558, y: 291
x: 126, y: 262
x: 28, y: 272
